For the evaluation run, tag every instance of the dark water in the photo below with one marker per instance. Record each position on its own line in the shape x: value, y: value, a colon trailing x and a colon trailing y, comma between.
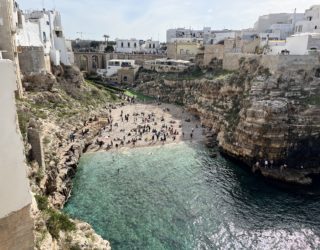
x: 177, y: 197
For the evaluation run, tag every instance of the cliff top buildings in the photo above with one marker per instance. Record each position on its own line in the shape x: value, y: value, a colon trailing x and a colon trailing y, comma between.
x: 310, y: 22
x: 137, y: 46
x: 43, y: 30
x: 205, y: 36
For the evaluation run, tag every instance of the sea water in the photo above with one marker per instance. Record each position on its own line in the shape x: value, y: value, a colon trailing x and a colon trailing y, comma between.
x: 178, y: 197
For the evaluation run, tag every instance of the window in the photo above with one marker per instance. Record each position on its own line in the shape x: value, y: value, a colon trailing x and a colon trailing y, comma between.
x: 125, y: 78
x: 48, y: 23
x: 135, y: 45
x: 116, y: 63
x: 122, y: 45
x: 58, y: 33
x: 128, y: 45
x: 154, y: 45
x: 315, y: 27
x: 149, y: 45
x: 44, y: 37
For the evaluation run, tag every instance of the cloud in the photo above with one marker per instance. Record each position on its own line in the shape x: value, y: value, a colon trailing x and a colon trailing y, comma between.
x: 151, y: 18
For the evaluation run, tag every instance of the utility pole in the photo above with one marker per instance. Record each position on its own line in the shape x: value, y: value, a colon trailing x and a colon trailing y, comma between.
x: 81, y: 35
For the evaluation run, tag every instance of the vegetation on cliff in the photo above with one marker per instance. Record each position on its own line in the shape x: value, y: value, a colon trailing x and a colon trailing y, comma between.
x: 54, y: 110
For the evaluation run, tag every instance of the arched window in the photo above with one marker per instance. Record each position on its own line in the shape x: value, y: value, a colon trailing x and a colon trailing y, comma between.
x: 125, y: 78
x: 95, y: 62
x: 83, y: 63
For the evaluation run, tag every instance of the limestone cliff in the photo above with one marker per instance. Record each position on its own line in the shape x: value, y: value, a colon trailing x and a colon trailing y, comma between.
x: 47, y: 115
x: 257, y: 115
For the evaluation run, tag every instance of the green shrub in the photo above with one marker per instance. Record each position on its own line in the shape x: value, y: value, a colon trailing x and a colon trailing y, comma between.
x: 42, y: 202
x: 58, y: 222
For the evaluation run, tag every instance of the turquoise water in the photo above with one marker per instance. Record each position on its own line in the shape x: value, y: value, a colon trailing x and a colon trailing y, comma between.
x: 177, y: 197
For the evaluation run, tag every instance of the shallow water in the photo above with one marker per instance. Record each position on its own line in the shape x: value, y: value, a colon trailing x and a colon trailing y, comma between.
x: 177, y: 197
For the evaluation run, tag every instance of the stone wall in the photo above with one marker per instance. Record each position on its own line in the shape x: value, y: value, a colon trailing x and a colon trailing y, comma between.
x: 231, y: 61
x: 289, y: 62
x: 35, y: 140
x: 272, y: 62
x: 16, y: 231
x: 85, y: 60
x: 15, y: 222
x: 211, y: 52
x: 183, y: 50
x: 126, y: 75
x: 32, y: 60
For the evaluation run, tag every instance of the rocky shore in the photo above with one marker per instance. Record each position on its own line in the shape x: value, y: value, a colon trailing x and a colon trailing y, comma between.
x: 47, y: 114
x: 258, y: 116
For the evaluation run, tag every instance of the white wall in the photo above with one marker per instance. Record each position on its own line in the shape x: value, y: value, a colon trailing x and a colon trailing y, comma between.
x: 29, y: 35
x: 127, y: 46
x: 298, y: 45
x: 14, y: 185
x: 60, y: 45
x: 308, y: 25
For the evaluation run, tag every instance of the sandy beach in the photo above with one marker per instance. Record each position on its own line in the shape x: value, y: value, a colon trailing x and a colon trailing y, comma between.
x: 142, y: 125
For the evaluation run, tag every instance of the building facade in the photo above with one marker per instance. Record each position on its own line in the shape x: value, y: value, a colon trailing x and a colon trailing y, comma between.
x: 42, y: 31
x: 16, y: 224
x: 277, y: 26
x: 137, y: 46
x: 205, y: 36
x: 310, y: 22
x: 9, y: 24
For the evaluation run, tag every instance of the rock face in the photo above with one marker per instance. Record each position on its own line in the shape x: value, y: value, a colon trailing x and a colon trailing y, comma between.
x: 47, y: 117
x: 258, y: 116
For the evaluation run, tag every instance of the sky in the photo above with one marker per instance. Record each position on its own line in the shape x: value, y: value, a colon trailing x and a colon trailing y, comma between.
x: 145, y: 19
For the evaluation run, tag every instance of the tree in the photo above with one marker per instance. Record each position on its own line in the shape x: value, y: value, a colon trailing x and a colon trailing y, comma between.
x: 106, y: 37
x: 109, y: 49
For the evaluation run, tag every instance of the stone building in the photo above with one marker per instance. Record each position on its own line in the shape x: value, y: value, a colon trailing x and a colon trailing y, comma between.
x: 16, y: 224
x: 126, y: 76
x: 9, y: 24
x: 184, y: 50
x: 41, y: 41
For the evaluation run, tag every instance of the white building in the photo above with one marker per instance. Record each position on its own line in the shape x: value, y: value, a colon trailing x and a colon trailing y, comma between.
x: 306, y: 39
x: 311, y: 21
x: 137, y: 46
x: 150, y: 47
x: 277, y: 26
x: 298, y: 44
x: 114, y: 65
x: 44, y: 29
x: 205, y: 36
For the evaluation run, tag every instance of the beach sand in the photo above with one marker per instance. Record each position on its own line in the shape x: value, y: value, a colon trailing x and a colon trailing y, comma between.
x: 162, y: 118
